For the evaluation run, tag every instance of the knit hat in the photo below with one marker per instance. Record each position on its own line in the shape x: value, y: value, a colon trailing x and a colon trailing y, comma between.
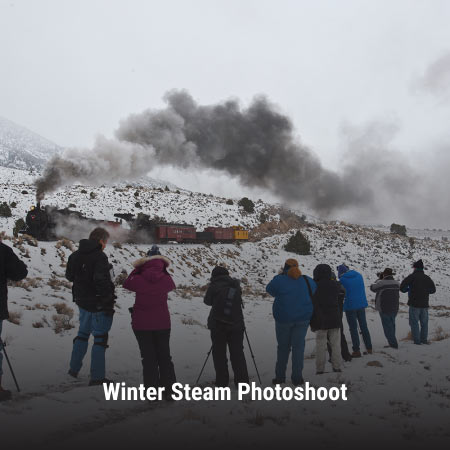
x: 219, y: 271
x: 342, y: 269
x: 418, y: 265
x: 291, y: 269
x: 153, y: 251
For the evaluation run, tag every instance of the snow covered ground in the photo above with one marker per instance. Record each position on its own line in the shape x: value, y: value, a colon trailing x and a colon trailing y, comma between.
x: 395, y: 396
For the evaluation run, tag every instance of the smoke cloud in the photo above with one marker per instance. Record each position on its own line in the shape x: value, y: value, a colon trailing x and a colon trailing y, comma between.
x: 436, y: 78
x: 257, y: 145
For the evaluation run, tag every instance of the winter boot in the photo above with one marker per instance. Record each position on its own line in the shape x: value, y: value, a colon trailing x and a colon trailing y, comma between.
x: 356, y: 354
x: 276, y: 381
x: 5, y: 395
x: 72, y: 373
x: 298, y: 383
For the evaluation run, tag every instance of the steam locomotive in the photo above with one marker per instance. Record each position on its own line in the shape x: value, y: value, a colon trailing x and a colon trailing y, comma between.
x: 49, y: 224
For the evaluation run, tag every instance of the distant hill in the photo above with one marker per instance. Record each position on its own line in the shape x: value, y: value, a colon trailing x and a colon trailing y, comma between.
x: 23, y: 149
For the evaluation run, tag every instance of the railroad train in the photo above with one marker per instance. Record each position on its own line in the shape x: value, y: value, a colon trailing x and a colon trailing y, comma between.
x: 49, y: 223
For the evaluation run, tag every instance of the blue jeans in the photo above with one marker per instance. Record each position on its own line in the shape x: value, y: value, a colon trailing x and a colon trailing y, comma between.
x: 290, y: 336
x: 1, y: 348
x: 353, y: 318
x: 388, y: 322
x: 416, y: 315
x: 98, y: 324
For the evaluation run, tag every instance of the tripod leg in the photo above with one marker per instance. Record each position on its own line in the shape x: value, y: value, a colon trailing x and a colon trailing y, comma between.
x: 203, y: 368
x: 9, y: 364
x: 253, y: 356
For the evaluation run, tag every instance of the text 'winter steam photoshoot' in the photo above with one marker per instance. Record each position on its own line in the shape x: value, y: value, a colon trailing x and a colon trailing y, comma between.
x: 224, y: 224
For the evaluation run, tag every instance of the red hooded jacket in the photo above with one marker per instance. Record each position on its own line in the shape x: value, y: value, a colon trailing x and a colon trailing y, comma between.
x: 151, y: 282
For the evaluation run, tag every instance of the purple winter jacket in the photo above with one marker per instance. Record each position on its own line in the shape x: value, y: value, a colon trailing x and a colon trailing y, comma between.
x: 151, y: 282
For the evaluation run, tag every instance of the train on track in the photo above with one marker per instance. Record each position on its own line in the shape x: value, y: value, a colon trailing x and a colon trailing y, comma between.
x: 50, y: 223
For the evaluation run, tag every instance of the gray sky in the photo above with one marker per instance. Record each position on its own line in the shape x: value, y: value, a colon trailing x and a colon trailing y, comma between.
x: 73, y: 69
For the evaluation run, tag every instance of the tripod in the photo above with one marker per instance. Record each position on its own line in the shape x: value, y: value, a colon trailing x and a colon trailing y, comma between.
x: 2, y: 347
x: 251, y: 353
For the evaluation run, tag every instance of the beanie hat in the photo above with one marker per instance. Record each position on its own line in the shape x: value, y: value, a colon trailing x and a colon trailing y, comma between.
x: 418, y: 265
x: 219, y: 271
x: 153, y: 251
x: 342, y: 269
x: 291, y: 269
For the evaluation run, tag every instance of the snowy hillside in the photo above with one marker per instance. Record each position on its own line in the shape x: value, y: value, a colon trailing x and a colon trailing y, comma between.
x: 20, y: 148
x: 403, y: 392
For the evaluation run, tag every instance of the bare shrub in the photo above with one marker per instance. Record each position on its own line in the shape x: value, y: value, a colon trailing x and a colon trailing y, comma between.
x: 63, y: 319
x: 57, y: 284
x: 15, y: 317
x: 440, y: 334
x: 37, y: 324
x: 120, y: 279
x: 66, y: 243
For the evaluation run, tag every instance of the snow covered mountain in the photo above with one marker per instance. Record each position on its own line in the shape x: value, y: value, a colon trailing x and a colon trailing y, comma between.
x: 21, y: 148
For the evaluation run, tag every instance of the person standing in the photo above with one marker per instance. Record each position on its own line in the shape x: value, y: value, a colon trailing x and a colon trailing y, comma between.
x: 419, y: 286
x: 292, y: 311
x: 150, y: 318
x: 326, y: 319
x: 11, y: 268
x: 226, y: 323
x: 346, y: 356
x: 387, y: 303
x: 88, y: 269
x: 355, y: 305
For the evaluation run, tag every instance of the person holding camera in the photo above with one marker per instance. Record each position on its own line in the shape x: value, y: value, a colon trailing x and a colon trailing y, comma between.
x: 88, y: 269
x: 11, y: 268
x: 292, y: 310
x: 150, y: 318
x: 419, y: 287
x: 355, y: 305
x: 387, y: 303
x: 226, y: 323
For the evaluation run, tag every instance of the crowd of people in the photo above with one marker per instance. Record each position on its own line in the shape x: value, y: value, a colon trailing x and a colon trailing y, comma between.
x: 300, y: 302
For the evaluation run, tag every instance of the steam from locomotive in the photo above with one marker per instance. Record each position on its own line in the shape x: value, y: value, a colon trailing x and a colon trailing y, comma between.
x: 256, y: 144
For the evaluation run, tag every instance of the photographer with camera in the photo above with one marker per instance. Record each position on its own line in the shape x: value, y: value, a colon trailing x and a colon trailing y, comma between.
x: 93, y: 291
x: 387, y: 303
x: 11, y: 268
x: 226, y: 322
x: 150, y: 318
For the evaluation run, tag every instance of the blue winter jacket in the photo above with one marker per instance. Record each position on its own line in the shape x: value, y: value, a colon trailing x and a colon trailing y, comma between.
x: 355, y: 296
x: 292, y: 300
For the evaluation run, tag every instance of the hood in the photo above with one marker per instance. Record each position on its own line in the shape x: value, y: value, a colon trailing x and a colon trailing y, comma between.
x: 152, y: 268
x: 89, y: 246
x: 225, y: 279
x: 146, y: 259
x: 322, y: 272
x: 350, y: 274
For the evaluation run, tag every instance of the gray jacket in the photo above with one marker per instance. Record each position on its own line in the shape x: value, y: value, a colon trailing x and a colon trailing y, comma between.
x: 387, y: 295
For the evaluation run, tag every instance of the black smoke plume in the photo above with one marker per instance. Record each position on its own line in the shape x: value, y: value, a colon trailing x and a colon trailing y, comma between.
x: 257, y: 145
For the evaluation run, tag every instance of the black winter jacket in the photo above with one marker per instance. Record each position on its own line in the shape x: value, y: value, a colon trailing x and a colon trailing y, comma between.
x: 218, y: 287
x: 88, y: 268
x: 327, y: 312
x: 11, y: 268
x: 419, y: 287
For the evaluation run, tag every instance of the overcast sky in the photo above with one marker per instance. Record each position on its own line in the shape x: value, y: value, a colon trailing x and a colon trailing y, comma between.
x: 70, y: 70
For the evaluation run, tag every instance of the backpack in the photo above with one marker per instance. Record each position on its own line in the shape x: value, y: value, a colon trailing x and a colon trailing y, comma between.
x: 227, y: 305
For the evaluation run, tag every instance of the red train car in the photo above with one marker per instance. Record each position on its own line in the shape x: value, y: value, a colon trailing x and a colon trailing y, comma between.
x: 221, y: 234
x: 175, y: 232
